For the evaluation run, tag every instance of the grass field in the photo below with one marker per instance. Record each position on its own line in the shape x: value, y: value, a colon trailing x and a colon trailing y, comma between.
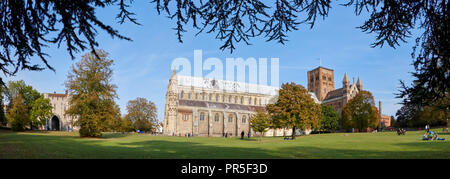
x: 339, y: 145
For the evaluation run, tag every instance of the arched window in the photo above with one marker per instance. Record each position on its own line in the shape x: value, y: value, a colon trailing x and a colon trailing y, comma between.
x: 242, y: 100
x: 235, y: 99
x: 255, y: 102
x: 189, y: 95
x: 181, y: 95
x: 185, y: 117
x: 196, y: 95
x: 217, y: 97
x: 260, y: 101
x: 203, y: 96
x: 210, y: 97
x: 230, y: 118
x: 223, y: 98
x: 216, y: 118
x: 250, y: 100
x: 229, y: 99
x: 202, y: 116
x: 244, y: 119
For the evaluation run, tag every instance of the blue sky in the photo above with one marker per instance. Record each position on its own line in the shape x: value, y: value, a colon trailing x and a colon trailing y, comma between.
x: 142, y: 67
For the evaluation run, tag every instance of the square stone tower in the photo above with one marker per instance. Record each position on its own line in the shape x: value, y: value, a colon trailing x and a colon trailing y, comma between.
x: 321, y: 81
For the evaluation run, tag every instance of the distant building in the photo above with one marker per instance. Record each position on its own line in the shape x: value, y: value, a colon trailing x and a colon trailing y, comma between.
x: 385, y: 120
x: 321, y: 82
x: 59, y: 121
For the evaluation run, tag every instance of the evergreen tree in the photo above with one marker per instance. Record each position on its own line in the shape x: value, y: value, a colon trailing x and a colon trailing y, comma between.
x: 92, y: 94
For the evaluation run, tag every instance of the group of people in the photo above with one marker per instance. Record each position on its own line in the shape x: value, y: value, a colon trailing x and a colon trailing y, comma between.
x: 430, y: 135
x: 401, y: 131
x: 243, y: 133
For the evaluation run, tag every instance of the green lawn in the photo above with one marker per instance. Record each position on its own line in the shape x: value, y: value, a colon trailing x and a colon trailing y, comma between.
x: 340, y: 145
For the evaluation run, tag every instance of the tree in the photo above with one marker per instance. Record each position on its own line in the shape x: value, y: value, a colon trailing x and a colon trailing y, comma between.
x: 406, y: 115
x: 28, y: 94
x: 418, y: 116
x: 92, y: 94
x: 260, y: 122
x: 3, y: 120
x: 295, y: 109
x: 28, y: 25
x: 360, y: 112
x: 18, y: 115
x: 142, y: 114
x: 393, y: 122
x: 330, y: 119
x: 40, y: 111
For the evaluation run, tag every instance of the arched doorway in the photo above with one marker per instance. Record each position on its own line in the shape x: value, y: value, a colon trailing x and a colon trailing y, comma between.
x: 55, y: 123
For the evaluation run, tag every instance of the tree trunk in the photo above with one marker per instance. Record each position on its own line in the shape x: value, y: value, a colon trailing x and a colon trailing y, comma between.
x: 293, y: 132
x: 260, y: 137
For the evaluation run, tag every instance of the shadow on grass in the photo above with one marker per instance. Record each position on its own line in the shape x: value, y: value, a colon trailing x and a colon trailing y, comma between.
x: 23, y: 145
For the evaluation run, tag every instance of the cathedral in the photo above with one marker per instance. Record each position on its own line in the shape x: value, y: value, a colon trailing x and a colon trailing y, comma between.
x: 321, y: 83
x: 207, y: 107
